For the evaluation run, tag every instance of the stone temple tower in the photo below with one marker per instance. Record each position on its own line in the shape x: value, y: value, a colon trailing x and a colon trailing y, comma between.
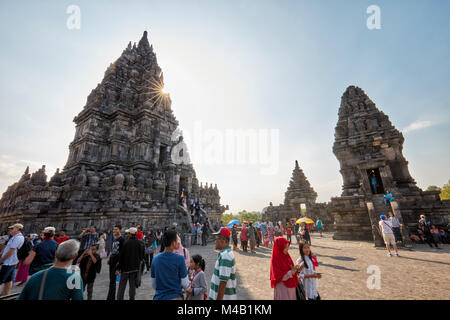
x: 366, y: 143
x: 127, y: 163
x: 369, y: 150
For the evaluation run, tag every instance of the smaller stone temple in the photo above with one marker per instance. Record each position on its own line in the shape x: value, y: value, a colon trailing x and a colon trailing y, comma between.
x: 369, y: 150
x: 298, y: 194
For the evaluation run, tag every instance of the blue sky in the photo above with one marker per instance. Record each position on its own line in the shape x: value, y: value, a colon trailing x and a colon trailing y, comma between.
x: 234, y: 64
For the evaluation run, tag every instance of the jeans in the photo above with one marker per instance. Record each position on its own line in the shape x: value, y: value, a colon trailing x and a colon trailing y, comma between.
x: 112, y: 278
x: 90, y: 289
x: 124, y: 278
x: 148, y: 258
x: 7, y: 273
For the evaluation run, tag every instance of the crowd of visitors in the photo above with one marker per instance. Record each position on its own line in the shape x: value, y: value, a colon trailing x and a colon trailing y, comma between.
x: 59, y: 268
x: 45, y: 264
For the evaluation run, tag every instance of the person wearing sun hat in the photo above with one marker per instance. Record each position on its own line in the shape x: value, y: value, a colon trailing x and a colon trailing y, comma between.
x: 223, y: 281
x: 388, y: 235
x: 9, y: 259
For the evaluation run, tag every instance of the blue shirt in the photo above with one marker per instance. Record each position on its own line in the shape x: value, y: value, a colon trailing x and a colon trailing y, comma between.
x: 319, y: 224
x: 60, y: 284
x: 14, y: 243
x: 168, y: 269
x: 45, y: 254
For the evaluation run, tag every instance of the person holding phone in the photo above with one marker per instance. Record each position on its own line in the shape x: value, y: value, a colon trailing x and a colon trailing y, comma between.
x: 307, y: 274
x: 283, y: 272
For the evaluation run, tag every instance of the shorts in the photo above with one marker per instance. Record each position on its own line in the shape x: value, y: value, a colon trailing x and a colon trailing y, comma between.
x: 7, y: 274
x: 389, y: 238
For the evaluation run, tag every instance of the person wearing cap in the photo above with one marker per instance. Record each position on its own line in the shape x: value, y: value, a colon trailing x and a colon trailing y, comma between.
x: 9, y: 260
x: 130, y: 258
x: 387, y: 234
x: 223, y: 281
x: 43, y: 255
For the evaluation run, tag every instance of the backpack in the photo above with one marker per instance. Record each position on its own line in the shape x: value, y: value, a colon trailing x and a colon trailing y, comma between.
x: 24, y: 250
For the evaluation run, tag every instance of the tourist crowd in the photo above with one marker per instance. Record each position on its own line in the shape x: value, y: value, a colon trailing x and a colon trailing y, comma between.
x: 45, y: 264
x: 51, y: 267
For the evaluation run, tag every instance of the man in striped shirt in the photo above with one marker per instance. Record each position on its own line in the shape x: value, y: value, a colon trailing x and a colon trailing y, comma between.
x: 223, y: 281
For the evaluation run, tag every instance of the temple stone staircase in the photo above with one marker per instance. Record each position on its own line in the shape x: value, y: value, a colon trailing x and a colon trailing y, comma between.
x: 376, y: 207
x: 185, y: 223
x: 379, y: 206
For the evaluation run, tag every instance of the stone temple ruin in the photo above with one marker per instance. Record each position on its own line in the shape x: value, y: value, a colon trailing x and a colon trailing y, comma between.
x: 368, y: 147
x: 127, y: 164
x: 298, y: 192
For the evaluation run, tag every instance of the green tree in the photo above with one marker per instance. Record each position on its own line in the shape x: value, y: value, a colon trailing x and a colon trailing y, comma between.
x: 445, y: 192
x: 433, y: 188
x: 227, y: 217
x: 249, y: 216
x: 242, y: 216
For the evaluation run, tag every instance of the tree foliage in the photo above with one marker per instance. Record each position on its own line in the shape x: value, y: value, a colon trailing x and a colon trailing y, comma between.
x: 445, y: 191
x: 241, y: 216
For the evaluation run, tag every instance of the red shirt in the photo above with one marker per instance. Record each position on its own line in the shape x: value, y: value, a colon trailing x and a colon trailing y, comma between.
x: 244, y: 234
x: 139, y: 235
x: 61, y: 240
x: 288, y: 230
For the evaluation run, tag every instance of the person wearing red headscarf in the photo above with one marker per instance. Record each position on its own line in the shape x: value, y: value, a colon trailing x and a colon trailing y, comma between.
x: 283, y: 272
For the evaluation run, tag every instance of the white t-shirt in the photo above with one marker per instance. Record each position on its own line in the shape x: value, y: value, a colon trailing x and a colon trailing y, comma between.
x: 386, y: 226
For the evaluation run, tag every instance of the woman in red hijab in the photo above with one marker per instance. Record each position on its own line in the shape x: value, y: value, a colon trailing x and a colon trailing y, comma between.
x: 283, y: 272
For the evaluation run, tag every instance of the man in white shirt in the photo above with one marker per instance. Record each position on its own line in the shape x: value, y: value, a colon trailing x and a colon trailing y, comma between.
x: 388, y: 235
x: 9, y: 258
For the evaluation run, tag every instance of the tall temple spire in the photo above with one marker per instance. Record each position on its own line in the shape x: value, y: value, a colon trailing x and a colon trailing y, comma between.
x: 143, y: 43
x: 364, y: 135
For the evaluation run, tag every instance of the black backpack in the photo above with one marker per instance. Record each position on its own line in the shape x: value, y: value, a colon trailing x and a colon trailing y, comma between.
x: 24, y: 250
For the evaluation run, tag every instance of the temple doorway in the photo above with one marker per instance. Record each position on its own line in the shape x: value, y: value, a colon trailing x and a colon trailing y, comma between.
x: 162, y: 154
x: 375, y: 182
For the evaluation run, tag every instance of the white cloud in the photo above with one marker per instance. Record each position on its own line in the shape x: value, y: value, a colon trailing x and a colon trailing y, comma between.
x: 417, y: 125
